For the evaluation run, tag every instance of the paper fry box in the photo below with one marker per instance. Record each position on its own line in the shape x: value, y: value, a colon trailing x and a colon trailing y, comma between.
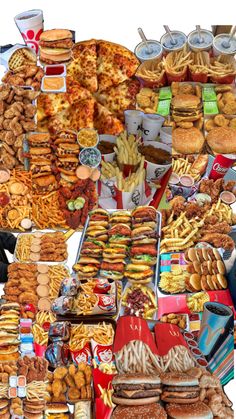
x: 106, y: 188
x: 172, y: 304
x: 130, y: 200
x: 133, y: 328
x: 102, y: 353
x: 82, y: 355
x: 102, y: 411
x: 103, y: 379
x: 39, y: 349
x: 106, y: 304
x: 168, y: 335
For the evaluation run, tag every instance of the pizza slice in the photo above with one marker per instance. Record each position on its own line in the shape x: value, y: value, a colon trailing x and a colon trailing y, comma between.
x: 115, y: 64
x: 82, y: 114
x: 83, y: 67
x: 119, y: 98
x: 105, y: 122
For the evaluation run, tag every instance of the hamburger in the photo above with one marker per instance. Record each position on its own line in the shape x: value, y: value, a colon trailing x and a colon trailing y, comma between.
x: 87, y: 267
x: 222, y: 140
x: 189, y: 411
x: 97, y: 232
x: 55, y: 46
x: 44, y: 182
x: 186, y: 107
x: 92, y: 248
x: 187, y: 140
x: 39, y: 140
x: 112, y: 269
x: 144, y: 254
x: 4, y: 409
x: 147, y: 411
x: 118, y: 253
x: 99, y: 216
x: 141, y: 274
x: 136, y: 389
x: 10, y: 308
x: 144, y: 214
x: 179, y: 388
x: 123, y: 217
x: 67, y: 149
x: 120, y: 233
x: 144, y: 235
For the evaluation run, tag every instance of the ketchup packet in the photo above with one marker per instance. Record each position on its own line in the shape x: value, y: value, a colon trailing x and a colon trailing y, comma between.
x: 102, y: 353
x: 133, y: 328
x: 102, y: 411
x: 59, y: 331
x: 82, y: 355
x: 167, y: 336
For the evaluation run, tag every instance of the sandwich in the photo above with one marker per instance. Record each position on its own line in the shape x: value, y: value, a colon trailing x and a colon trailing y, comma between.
x: 4, y: 409
x: 144, y: 215
x: 44, y: 182
x: 186, y: 107
x: 112, y: 269
x: 146, y: 411
x: 87, y: 267
x: 120, y: 233
x: 180, y: 388
x: 141, y: 274
x: 136, y: 389
x: 144, y: 254
x: 55, y: 46
x: 92, y: 248
x: 187, y: 140
x: 115, y: 253
x: 99, y: 216
x: 122, y: 216
x: 197, y: 410
x: 66, y: 148
x: 39, y: 140
x: 97, y: 232
x: 222, y: 140
x: 143, y: 235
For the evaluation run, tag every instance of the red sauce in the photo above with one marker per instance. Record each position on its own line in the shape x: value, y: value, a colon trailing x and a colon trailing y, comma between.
x: 56, y: 70
x: 202, y: 362
x: 4, y: 199
x: 196, y: 351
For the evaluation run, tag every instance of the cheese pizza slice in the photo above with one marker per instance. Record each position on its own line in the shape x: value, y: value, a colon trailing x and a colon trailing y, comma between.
x: 115, y: 64
x: 82, y: 114
x: 83, y: 66
x: 105, y: 122
x: 119, y: 98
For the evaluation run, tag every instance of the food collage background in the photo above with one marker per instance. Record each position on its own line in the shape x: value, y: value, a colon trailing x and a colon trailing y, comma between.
x: 182, y: 227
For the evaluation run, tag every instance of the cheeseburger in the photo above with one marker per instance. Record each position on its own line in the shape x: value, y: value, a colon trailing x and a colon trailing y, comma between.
x: 136, y: 389
x: 179, y: 388
x: 55, y: 46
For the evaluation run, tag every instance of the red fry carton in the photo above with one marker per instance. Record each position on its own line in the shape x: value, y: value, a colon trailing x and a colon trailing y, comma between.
x: 82, y: 355
x: 168, y: 335
x: 101, y: 378
x: 106, y: 304
x: 133, y: 328
x: 39, y: 350
x: 102, y: 411
x: 172, y: 304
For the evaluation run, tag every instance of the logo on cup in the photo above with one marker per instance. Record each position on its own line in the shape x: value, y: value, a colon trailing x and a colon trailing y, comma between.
x: 220, y: 169
x: 159, y: 171
x: 32, y: 39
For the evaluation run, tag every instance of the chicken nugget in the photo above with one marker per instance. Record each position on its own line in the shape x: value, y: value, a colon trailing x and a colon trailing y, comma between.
x: 230, y: 108
x: 221, y: 121
x: 89, y: 391
x: 60, y: 399
x: 232, y: 123
x: 73, y: 394
x: 60, y: 373
x: 209, y: 124
x: 56, y: 387
x: 79, y: 379
x: 83, y: 392
x: 82, y: 366
x: 69, y: 380
x: 88, y: 374
x: 50, y: 376
x: 64, y: 386
x: 72, y: 369
x: 49, y: 388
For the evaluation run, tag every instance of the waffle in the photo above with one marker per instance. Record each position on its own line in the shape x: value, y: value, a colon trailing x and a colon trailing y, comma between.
x: 21, y: 57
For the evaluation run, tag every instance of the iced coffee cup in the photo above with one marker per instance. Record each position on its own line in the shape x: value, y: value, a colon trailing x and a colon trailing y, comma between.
x: 30, y: 25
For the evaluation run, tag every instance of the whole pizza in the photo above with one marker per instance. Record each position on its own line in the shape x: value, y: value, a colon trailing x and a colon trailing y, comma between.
x: 100, y: 86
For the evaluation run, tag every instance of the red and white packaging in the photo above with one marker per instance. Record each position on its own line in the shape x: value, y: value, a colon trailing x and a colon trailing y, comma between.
x: 221, y: 165
x: 82, y: 355
x: 102, y: 411
x: 133, y: 328
x: 130, y: 200
x: 106, y: 304
x: 30, y: 25
x: 167, y: 336
x: 102, y: 353
x: 101, y: 286
x: 106, y: 188
x: 103, y: 379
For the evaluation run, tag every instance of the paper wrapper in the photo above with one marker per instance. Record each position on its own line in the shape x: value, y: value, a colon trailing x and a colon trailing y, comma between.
x: 106, y: 304
x: 183, y: 190
x: 133, y: 328
x: 82, y: 355
x: 130, y: 200
x: 102, y: 411
x: 106, y: 188
x: 39, y: 350
x: 102, y: 353
x: 103, y: 379
x: 167, y: 336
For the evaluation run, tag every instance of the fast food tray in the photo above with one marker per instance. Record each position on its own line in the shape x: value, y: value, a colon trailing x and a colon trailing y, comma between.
x: 110, y: 211
x: 40, y: 262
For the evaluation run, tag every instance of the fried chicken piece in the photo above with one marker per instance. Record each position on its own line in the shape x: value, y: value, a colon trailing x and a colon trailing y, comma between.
x: 229, y: 185
x: 79, y: 379
x: 219, y: 240
x: 70, y: 381
x: 194, y: 210
x: 60, y: 373
x: 73, y: 394
x: 57, y: 387
x: 72, y: 370
x: 212, y: 188
x: 222, y: 228
x: 60, y: 399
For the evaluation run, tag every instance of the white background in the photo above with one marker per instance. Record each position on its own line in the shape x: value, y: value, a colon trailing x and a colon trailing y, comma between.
x: 118, y: 21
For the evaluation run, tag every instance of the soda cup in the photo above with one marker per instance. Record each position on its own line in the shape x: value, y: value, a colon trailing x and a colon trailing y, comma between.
x: 221, y: 165
x: 30, y: 25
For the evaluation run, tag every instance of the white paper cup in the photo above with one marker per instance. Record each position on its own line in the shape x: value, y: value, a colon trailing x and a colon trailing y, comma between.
x: 166, y: 135
x: 30, y: 25
x: 151, y: 126
x: 133, y: 121
x: 109, y: 157
x: 157, y: 171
